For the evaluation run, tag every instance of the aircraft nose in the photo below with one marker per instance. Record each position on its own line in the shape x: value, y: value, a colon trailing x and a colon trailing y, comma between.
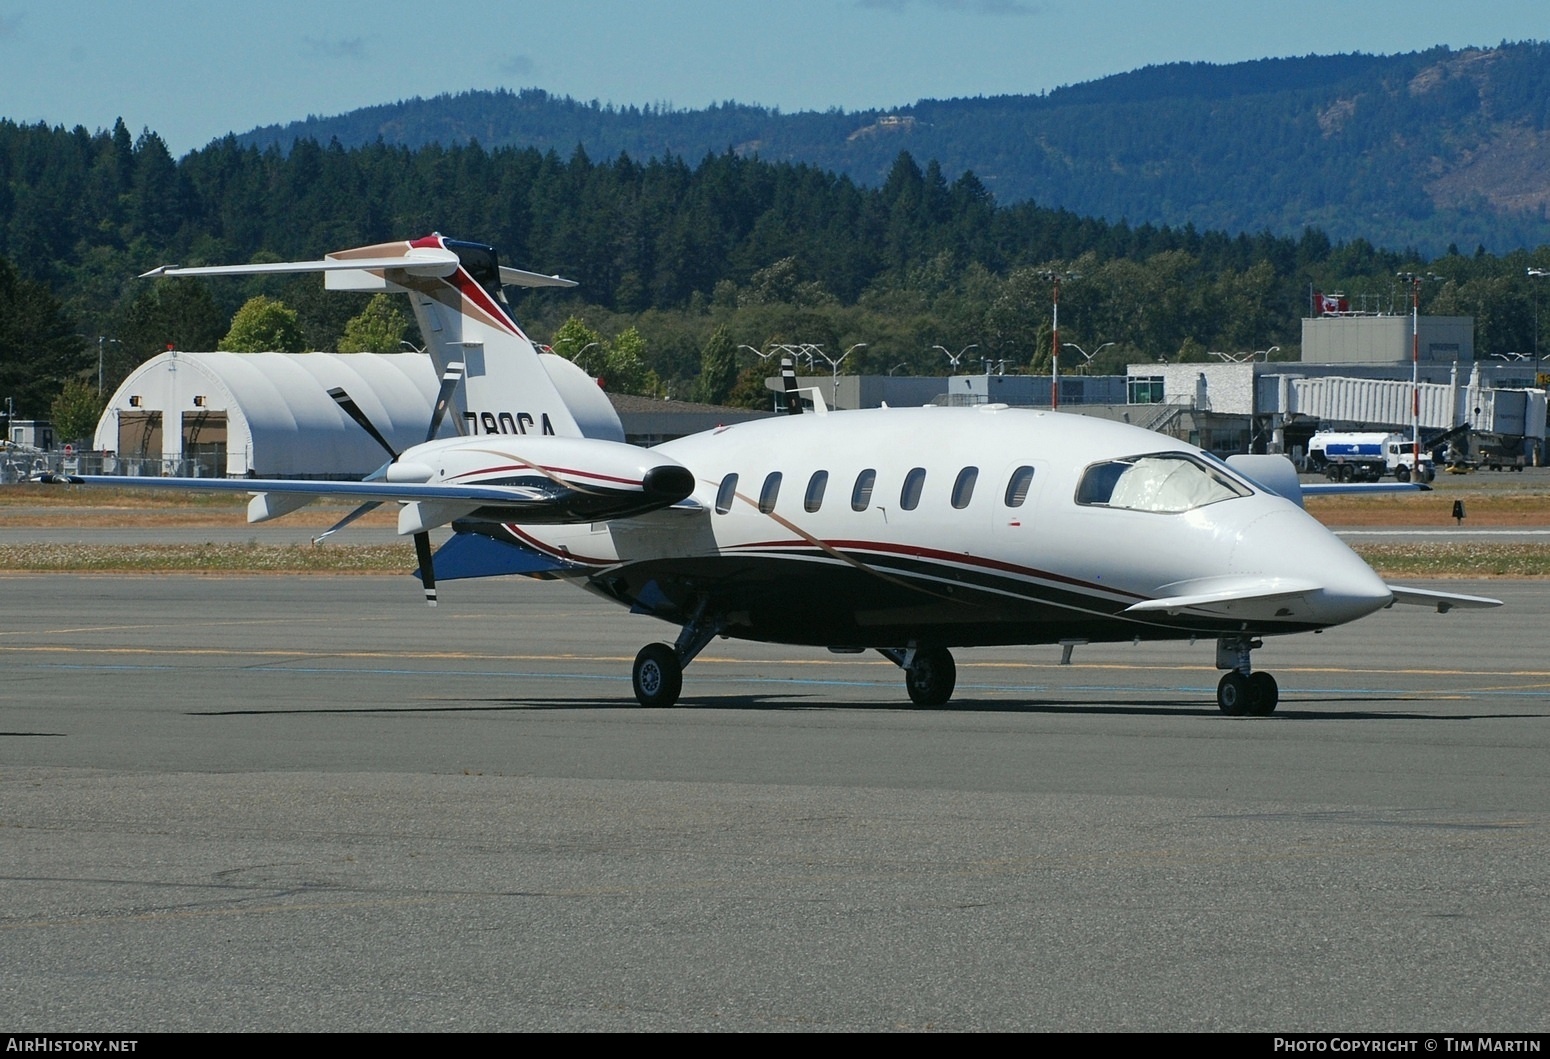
x: 1294, y: 545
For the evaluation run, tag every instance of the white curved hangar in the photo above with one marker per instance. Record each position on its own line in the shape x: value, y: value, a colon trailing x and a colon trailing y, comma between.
x: 265, y: 414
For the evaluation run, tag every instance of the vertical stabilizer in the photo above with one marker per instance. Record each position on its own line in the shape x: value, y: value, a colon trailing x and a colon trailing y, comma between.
x: 464, y: 318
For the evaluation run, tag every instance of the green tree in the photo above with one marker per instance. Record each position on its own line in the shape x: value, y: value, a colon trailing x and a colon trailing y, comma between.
x: 264, y: 324
x: 718, y: 368
x: 76, y: 410
x: 39, y: 347
x: 627, y: 371
x: 577, y: 342
x: 379, y: 328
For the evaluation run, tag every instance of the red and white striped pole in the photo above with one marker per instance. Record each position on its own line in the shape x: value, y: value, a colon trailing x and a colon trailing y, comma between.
x: 1054, y: 386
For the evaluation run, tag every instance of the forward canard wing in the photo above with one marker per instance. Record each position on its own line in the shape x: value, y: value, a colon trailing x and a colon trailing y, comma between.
x: 1443, y: 601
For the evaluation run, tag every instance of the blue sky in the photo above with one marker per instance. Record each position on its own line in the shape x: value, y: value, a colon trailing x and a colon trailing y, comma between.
x: 193, y: 71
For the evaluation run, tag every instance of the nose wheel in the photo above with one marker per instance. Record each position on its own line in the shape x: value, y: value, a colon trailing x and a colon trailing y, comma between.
x: 1242, y: 691
x: 1255, y: 695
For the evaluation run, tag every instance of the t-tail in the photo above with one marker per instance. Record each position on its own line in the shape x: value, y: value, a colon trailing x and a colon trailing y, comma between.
x: 455, y: 290
x: 509, y: 388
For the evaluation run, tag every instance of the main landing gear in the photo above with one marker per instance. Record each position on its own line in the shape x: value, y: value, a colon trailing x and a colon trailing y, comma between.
x: 659, y: 668
x: 1241, y: 690
x: 929, y: 673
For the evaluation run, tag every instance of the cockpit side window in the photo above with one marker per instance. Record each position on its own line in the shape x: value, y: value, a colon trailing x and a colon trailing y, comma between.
x: 1167, y: 482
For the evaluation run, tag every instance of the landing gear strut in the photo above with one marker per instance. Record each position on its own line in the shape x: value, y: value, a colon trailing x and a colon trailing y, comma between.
x: 1242, y: 691
x: 658, y: 675
x: 929, y: 673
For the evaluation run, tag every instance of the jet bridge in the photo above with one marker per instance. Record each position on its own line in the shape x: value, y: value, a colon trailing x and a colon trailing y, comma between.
x: 1383, y: 403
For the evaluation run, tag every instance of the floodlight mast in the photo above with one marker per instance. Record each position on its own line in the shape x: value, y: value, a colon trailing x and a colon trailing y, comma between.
x: 1414, y: 279
x: 1054, y: 360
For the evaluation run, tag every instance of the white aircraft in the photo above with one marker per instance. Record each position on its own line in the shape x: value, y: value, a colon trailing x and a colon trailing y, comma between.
x: 905, y: 531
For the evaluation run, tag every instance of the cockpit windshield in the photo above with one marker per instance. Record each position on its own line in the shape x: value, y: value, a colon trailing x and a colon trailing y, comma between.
x: 1166, y: 482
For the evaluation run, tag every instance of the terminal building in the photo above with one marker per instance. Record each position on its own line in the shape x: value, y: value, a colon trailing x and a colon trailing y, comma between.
x: 1355, y: 374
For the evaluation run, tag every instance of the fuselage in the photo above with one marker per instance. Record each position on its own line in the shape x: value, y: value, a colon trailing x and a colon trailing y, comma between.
x: 965, y: 526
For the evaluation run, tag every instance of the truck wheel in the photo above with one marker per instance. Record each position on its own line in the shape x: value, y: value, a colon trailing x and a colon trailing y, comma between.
x: 1402, y: 473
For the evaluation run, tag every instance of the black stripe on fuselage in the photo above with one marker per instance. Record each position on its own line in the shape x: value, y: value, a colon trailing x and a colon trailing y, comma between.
x: 806, y: 596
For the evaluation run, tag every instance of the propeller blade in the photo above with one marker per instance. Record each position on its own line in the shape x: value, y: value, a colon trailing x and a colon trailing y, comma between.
x: 347, y: 404
x: 788, y: 376
x: 449, y: 380
x: 370, y: 505
x: 422, y: 549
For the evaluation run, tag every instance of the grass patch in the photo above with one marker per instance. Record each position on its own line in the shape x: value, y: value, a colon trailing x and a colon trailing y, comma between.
x: 206, y: 558
x: 1457, y: 559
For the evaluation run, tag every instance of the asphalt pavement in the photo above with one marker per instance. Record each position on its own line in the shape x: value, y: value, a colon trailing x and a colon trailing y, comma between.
x: 312, y: 803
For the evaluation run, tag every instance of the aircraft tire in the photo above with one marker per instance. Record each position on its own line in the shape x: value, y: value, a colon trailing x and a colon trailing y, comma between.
x: 658, y: 678
x: 1264, y: 693
x: 931, y: 677
x: 1233, y: 694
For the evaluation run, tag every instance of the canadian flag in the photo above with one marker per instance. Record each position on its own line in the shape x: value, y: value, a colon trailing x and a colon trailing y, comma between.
x: 1331, y: 304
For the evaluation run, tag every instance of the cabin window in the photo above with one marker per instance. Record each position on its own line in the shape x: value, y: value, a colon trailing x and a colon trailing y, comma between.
x: 861, y: 495
x: 963, y: 487
x: 815, y: 487
x: 1017, y: 488
x: 725, y: 494
x: 914, y: 482
x: 1165, y: 482
x: 768, y: 494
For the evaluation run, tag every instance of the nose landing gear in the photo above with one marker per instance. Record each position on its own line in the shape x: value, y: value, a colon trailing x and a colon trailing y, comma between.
x: 1241, y: 690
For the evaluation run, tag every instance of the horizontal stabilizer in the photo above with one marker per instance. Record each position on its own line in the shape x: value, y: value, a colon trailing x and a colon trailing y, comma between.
x: 1443, y: 601
x: 516, y: 277
x: 419, y: 261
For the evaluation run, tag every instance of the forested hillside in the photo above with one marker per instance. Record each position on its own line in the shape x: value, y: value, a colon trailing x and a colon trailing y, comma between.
x: 1421, y: 150
x: 679, y: 262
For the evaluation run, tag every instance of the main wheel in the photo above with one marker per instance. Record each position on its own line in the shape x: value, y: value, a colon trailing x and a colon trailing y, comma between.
x: 930, y: 677
x: 1233, y: 694
x: 658, y: 677
x: 1263, y: 694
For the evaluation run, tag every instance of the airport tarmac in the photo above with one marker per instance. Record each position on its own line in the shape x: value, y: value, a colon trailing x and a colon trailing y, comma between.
x: 312, y: 803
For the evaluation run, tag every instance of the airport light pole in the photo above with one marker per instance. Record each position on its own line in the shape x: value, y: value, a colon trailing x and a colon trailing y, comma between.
x: 834, y: 364
x: 953, y: 360
x: 102, y: 341
x: 1054, y: 360
x: 1414, y: 279
x: 1537, y: 273
x: 1087, y: 358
